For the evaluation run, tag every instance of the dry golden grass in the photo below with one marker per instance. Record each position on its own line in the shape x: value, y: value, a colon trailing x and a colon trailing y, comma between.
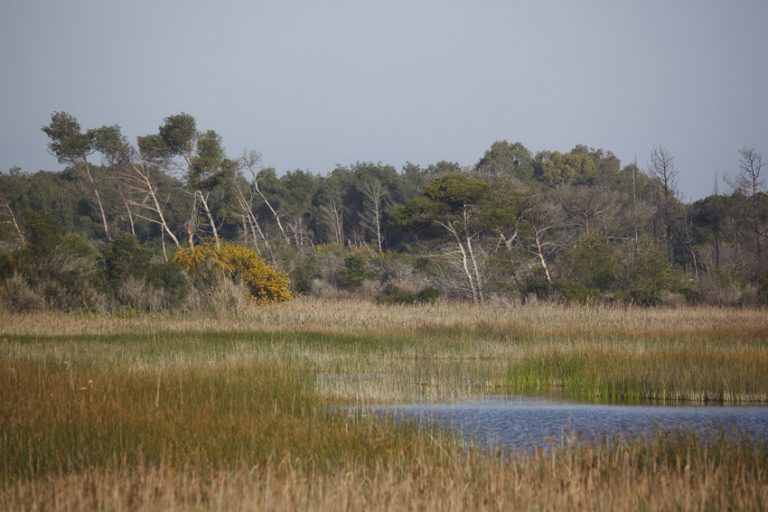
x: 158, y: 413
x: 663, y: 474
x: 363, y: 352
x: 355, y: 317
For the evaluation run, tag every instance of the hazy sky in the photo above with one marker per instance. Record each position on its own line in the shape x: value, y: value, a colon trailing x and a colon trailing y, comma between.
x: 314, y: 83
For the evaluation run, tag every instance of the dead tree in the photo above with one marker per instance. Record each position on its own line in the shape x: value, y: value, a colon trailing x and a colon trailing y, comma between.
x: 250, y: 220
x: 751, y: 183
x: 375, y: 199
x: 7, y: 211
x: 203, y: 198
x: 661, y: 167
x: 332, y: 215
x: 250, y: 160
x: 466, y: 253
x: 139, y: 182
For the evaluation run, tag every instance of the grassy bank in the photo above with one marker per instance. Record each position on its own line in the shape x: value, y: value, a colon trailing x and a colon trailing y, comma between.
x: 232, y: 436
x: 365, y: 353
x: 219, y: 413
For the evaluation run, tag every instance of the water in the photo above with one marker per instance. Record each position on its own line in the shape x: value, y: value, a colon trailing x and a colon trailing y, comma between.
x: 525, y: 422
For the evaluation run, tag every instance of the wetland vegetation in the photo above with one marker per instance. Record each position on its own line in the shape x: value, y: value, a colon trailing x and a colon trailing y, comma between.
x: 157, y: 412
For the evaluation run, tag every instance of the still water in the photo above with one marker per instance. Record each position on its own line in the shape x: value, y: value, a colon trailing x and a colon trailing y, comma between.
x: 525, y: 422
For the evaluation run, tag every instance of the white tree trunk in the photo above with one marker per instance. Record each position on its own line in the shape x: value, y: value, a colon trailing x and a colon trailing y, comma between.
x: 98, y: 199
x: 204, y: 203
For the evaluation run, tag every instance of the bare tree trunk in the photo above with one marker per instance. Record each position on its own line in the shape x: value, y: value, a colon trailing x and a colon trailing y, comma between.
x: 662, y: 168
x: 127, y: 208
x: 338, y: 223
x: 204, y: 203
x: 540, y: 253
x: 246, y: 233
x: 464, y: 259
x: 140, y: 175
x: 468, y: 273
x: 4, y: 202
x: 749, y: 181
x: 98, y: 199
x: 333, y: 216
x: 255, y: 226
x: 130, y: 220
x: 162, y: 241
x: 478, y: 281
x: 274, y: 213
x: 250, y: 160
x: 191, y: 224
x: 375, y: 195
x: 634, y: 207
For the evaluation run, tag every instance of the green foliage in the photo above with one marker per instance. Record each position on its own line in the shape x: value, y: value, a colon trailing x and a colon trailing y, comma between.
x: 595, y: 271
x: 506, y: 160
x: 354, y: 271
x: 497, y: 206
x: 535, y: 284
x: 303, y: 267
x: 178, y: 132
x: 210, y: 167
x: 7, y: 265
x: 108, y: 141
x: 392, y: 294
x: 68, y: 143
x: 447, y: 200
x: 125, y: 261
x: 591, y: 269
x: 450, y: 193
x: 648, y: 275
x: 59, y: 269
x: 170, y: 279
x: 43, y: 233
x: 122, y: 258
x: 153, y: 147
x: 762, y: 283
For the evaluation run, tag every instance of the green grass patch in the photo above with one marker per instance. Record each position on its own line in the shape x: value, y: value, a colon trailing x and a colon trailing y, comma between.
x: 661, y: 374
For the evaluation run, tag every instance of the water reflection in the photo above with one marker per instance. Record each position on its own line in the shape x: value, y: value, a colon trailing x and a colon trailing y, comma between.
x: 525, y: 422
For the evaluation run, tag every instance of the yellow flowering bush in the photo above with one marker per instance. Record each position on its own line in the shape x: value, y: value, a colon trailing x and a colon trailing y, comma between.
x: 242, y: 264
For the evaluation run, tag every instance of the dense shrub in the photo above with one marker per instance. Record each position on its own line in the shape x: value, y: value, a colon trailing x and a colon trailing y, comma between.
x: 207, y: 262
x: 134, y: 279
x: 354, y: 271
x: 648, y: 275
x: 393, y: 294
x: 591, y: 268
x: 52, y: 271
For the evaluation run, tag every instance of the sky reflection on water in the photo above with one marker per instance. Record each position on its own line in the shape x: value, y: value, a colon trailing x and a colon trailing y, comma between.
x: 525, y: 422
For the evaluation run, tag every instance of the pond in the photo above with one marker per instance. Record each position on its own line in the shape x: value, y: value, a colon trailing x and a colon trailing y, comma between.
x: 526, y: 422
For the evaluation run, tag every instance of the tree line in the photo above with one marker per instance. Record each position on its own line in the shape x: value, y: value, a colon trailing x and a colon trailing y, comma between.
x: 516, y: 226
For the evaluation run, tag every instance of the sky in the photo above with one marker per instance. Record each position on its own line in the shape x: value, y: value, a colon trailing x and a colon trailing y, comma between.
x: 315, y: 83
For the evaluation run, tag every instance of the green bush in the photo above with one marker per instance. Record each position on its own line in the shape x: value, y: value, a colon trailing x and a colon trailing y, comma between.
x: 590, y: 268
x: 354, y: 271
x: 648, y: 275
x: 133, y: 279
x: 392, y: 294
x: 428, y: 294
x: 59, y: 269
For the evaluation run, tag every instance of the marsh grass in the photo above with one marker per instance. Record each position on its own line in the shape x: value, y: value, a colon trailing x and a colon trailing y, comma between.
x: 614, y: 374
x: 59, y: 420
x: 364, y: 353
x: 257, y: 411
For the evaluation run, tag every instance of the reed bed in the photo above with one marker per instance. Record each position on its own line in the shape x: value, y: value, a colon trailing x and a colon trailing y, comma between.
x: 458, y: 319
x: 237, y: 436
x: 259, y: 411
x: 364, y: 353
